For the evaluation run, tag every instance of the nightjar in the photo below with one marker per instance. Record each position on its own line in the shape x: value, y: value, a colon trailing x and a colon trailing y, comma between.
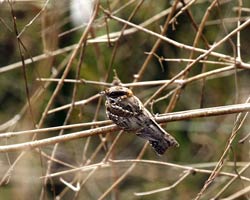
x: 127, y: 111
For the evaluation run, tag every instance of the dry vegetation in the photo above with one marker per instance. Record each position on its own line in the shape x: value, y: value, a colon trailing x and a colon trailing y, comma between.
x: 188, y: 61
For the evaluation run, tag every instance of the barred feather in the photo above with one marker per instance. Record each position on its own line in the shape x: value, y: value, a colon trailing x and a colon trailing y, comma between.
x: 127, y: 111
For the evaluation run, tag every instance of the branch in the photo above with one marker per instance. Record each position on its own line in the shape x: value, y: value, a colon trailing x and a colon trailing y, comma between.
x: 205, y: 112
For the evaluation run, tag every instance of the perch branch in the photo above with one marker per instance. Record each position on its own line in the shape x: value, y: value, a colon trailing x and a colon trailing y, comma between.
x: 183, y: 115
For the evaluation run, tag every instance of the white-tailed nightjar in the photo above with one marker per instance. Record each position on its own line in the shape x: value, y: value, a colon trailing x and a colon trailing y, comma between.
x: 127, y: 111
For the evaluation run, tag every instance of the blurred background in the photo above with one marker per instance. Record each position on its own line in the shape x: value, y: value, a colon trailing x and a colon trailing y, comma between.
x: 37, y: 41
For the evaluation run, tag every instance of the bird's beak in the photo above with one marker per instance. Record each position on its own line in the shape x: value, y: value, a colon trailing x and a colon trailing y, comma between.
x: 102, y: 93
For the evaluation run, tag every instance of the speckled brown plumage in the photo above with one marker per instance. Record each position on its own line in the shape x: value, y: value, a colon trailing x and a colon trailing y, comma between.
x: 127, y: 111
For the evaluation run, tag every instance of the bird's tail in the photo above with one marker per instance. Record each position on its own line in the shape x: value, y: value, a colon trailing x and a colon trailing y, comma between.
x: 159, y: 139
x: 161, y: 144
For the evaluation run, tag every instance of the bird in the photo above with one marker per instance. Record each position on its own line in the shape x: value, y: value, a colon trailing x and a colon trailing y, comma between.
x: 128, y: 113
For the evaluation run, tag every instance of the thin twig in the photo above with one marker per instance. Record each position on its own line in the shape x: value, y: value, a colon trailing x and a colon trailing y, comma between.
x: 238, y: 123
x: 185, y: 175
x: 238, y: 194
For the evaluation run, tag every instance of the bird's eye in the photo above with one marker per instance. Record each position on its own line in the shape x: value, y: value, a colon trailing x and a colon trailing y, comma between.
x: 116, y: 94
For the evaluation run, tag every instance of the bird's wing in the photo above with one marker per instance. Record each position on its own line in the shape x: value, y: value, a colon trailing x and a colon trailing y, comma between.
x: 159, y: 139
